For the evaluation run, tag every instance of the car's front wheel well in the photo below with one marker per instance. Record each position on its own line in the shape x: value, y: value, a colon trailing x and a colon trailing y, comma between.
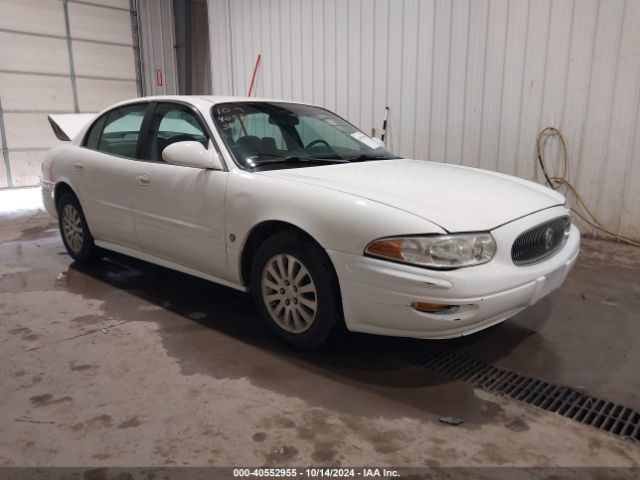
x: 259, y: 234
x: 60, y: 190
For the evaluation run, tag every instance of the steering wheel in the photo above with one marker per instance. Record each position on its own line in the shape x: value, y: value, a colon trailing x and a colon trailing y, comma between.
x: 315, y: 142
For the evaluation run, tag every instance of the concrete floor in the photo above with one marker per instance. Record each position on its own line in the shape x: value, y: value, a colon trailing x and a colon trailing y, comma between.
x: 123, y: 363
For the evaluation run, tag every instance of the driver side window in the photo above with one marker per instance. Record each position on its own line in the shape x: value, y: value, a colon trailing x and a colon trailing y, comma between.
x: 172, y: 123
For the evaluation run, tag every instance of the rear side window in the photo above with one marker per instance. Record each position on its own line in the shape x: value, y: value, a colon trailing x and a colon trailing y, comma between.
x: 118, y: 132
x: 94, y: 134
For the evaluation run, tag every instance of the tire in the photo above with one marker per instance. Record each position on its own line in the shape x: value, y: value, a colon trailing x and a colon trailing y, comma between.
x: 74, y: 231
x: 297, y: 275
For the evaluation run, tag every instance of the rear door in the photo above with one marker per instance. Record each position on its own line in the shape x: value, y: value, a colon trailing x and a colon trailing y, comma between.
x: 179, y: 211
x: 109, y: 169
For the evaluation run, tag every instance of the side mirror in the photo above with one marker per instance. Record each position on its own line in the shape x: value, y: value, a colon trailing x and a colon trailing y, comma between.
x: 378, y: 141
x: 192, y: 154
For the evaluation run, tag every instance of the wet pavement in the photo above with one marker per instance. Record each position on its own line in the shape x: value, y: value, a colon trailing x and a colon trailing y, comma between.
x: 123, y: 363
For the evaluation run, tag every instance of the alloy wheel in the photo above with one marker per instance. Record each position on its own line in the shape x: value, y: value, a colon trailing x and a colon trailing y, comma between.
x: 289, y: 293
x: 72, y: 227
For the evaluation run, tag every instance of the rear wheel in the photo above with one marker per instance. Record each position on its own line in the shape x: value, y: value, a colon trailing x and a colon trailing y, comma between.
x: 74, y: 230
x: 296, y: 290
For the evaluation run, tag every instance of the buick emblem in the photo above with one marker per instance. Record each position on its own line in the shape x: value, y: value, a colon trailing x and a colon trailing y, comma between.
x: 548, y: 238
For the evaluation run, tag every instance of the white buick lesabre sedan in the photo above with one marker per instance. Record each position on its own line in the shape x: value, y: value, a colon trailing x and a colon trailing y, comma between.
x: 322, y: 224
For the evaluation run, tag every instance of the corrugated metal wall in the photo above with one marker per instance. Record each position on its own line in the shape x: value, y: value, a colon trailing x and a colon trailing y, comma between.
x: 157, y: 46
x: 57, y: 56
x: 467, y: 81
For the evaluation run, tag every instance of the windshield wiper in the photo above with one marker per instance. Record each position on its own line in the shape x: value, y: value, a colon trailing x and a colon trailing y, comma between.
x: 364, y: 157
x: 299, y: 159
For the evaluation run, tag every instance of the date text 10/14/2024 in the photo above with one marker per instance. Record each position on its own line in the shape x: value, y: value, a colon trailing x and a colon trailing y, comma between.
x: 316, y: 472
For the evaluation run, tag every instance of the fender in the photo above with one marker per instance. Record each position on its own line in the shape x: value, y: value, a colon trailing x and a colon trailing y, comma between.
x: 343, y: 223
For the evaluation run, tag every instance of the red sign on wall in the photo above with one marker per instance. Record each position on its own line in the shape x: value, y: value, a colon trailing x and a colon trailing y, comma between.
x: 159, y: 77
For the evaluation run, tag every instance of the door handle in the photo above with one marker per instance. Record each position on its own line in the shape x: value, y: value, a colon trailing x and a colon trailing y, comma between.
x: 78, y: 167
x: 143, y: 180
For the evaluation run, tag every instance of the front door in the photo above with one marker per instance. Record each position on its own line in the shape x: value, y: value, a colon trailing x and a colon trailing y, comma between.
x: 179, y: 211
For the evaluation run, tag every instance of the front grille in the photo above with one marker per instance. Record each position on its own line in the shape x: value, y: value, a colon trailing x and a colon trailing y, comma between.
x: 540, y: 242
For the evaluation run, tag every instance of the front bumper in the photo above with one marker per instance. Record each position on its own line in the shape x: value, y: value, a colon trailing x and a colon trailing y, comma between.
x: 377, y: 294
x: 47, y: 190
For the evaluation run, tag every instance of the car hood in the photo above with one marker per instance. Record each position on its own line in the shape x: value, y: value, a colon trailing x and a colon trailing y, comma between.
x: 454, y: 197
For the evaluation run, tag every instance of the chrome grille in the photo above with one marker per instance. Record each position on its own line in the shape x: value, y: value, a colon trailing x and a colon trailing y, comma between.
x: 540, y: 242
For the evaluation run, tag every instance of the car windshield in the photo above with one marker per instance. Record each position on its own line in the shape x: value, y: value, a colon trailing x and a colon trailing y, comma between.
x: 264, y: 135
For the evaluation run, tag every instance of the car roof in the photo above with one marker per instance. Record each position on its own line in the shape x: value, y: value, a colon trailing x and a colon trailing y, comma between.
x: 201, y: 101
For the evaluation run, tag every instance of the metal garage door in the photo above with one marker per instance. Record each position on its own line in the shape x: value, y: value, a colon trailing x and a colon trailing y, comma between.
x: 59, y: 56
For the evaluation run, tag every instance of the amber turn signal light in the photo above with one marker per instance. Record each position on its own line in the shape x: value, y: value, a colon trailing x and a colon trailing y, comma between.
x: 433, y: 307
x: 387, y: 249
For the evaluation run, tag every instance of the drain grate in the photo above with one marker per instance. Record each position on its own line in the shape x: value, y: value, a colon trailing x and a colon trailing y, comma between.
x: 566, y: 401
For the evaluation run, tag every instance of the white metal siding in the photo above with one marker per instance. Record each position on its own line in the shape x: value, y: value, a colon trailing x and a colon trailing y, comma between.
x: 157, y: 42
x: 468, y: 82
x: 81, y: 61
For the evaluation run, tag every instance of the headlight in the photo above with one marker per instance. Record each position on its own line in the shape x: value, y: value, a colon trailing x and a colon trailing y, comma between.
x: 437, y: 251
x: 567, y: 227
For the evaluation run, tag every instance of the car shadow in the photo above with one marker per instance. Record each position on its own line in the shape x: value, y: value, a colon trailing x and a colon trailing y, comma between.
x: 192, y: 314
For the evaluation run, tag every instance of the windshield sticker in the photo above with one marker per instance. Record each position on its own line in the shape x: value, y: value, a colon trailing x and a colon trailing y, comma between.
x: 362, y: 138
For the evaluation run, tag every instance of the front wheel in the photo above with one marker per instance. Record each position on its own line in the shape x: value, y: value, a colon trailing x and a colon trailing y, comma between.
x: 74, y: 230
x: 296, y: 290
